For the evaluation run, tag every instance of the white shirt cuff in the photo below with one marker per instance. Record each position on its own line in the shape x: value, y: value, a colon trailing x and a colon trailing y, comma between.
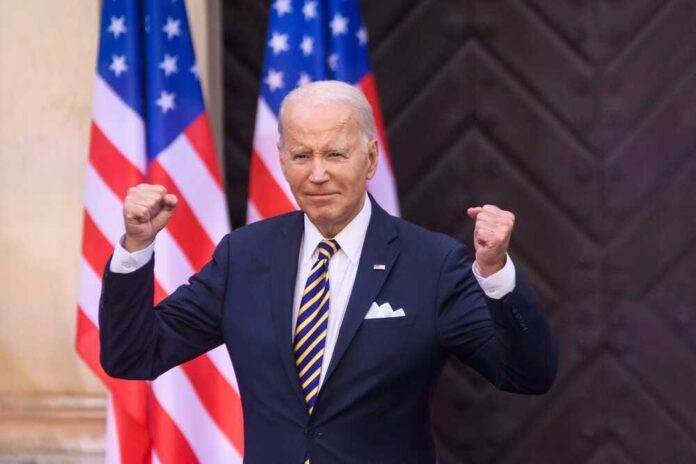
x: 499, y: 284
x: 124, y: 262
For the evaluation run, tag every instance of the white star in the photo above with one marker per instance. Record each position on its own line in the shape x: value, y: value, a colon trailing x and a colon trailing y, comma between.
x: 309, y: 10
x: 307, y: 45
x: 274, y: 80
x: 333, y: 61
x: 117, y: 26
x: 195, y: 72
x: 279, y: 43
x: 168, y: 64
x: 282, y: 7
x: 118, y: 64
x: 304, y: 79
x: 362, y: 35
x: 339, y: 24
x: 166, y: 101
x: 172, y: 28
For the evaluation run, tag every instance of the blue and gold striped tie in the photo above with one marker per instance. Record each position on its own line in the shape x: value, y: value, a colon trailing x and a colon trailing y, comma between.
x: 312, y: 322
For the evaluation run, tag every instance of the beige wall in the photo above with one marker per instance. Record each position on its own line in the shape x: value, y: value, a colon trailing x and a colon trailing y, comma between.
x: 47, y: 60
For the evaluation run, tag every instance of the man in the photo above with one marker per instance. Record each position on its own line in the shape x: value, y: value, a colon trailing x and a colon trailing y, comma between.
x: 339, y: 318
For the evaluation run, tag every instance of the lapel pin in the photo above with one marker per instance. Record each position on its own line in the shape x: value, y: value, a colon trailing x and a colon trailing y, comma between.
x: 379, y: 267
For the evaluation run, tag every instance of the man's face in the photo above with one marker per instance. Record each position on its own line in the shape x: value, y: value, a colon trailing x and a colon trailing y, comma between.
x: 326, y: 162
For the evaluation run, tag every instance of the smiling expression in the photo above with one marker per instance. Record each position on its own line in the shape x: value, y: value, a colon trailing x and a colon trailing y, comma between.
x: 327, y: 162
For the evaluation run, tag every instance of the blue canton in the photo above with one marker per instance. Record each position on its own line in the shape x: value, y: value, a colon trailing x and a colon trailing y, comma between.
x: 146, y: 56
x: 311, y: 40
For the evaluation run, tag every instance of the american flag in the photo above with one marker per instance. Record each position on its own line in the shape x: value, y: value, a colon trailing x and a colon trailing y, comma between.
x: 149, y: 125
x: 308, y: 41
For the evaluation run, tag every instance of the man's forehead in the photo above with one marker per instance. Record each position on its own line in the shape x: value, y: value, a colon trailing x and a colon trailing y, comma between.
x: 308, y: 117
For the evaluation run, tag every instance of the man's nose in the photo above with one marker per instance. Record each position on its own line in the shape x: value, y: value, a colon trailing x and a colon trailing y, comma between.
x: 318, y: 173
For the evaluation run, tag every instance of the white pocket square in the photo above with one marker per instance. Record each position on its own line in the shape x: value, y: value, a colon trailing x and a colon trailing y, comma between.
x: 383, y: 311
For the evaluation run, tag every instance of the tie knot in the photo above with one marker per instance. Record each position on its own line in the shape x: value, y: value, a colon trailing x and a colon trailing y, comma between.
x: 327, y: 248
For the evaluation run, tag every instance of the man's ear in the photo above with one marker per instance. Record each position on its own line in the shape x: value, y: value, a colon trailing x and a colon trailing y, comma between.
x: 372, y: 158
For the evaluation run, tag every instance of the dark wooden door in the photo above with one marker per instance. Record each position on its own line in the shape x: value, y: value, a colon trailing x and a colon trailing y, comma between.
x: 579, y: 116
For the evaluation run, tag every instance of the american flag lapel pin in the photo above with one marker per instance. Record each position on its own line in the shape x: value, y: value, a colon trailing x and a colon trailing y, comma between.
x: 379, y: 267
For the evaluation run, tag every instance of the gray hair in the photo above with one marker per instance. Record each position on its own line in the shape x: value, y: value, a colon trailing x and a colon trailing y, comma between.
x: 328, y: 92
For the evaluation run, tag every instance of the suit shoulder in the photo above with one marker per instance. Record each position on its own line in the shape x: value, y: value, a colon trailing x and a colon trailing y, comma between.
x: 262, y: 230
x: 432, y: 242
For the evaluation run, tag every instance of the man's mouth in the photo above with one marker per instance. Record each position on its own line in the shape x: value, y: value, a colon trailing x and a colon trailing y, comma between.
x: 322, y: 194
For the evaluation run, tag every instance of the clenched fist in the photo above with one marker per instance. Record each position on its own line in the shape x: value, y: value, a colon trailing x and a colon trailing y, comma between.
x: 492, y: 233
x: 146, y: 211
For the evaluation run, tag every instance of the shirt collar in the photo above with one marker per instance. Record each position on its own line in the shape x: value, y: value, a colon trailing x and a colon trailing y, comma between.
x: 351, y: 238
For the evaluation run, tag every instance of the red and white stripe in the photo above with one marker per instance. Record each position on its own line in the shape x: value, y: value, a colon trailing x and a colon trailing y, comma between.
x: 193, y: 412
x: 269, y: 193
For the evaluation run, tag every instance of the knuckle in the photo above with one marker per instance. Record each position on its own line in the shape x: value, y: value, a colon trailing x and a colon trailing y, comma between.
x: 148, y: 199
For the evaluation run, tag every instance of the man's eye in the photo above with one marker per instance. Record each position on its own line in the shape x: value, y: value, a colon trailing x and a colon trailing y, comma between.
x: 300, y: 156
x: 335, y: 154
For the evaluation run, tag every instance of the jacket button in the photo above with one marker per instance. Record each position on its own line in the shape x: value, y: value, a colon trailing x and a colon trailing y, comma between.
x: 312, y: 432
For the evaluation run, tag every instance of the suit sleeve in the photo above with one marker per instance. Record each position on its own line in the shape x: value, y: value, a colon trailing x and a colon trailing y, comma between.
x: 508, y: 341
x: 142, y: 341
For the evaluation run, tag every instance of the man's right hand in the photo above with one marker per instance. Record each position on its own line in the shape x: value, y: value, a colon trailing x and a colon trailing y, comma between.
x: 146, y: 211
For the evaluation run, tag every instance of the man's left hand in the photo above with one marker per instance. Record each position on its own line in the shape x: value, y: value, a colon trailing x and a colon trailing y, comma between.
x: 492, y: 232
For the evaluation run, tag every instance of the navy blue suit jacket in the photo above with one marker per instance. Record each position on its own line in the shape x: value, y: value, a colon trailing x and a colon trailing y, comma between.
x: 374, y: 404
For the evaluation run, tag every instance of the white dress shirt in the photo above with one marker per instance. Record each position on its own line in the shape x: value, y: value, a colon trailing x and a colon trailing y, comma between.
x: 343, y: 268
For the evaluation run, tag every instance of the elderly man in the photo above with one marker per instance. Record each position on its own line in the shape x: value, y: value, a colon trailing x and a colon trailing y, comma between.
x: 338, y: 318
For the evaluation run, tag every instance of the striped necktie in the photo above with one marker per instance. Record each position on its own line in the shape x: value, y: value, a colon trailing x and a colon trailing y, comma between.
x: 312, y: 322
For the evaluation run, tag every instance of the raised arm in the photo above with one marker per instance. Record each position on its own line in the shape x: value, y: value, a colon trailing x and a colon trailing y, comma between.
x: 507, y: 339
x: 139, y: 341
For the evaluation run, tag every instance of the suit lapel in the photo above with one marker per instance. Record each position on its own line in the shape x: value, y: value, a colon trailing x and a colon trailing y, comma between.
x: 284, y: 256
x: 380, y: 247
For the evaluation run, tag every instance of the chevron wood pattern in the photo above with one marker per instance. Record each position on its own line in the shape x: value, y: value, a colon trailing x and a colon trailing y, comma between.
x: 579, y: 116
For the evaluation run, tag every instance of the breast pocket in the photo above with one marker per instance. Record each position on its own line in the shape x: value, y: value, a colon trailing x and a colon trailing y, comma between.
x: 388, y: 322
